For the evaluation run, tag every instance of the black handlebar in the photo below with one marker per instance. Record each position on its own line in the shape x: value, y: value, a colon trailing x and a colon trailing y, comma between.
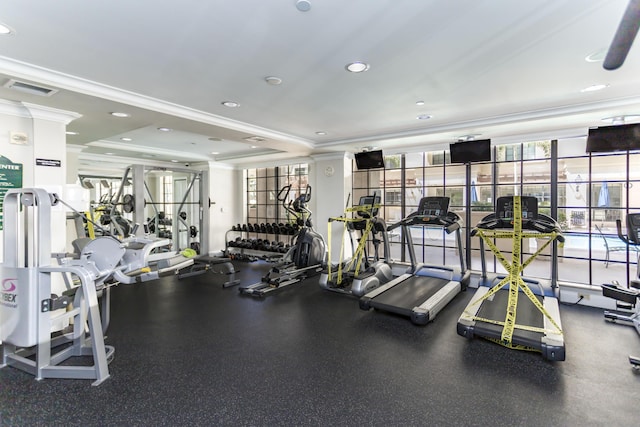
x: 543, y: 224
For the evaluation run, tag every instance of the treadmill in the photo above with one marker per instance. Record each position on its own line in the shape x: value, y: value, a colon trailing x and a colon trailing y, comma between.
x: 511, y: 310
x: 423, y: 290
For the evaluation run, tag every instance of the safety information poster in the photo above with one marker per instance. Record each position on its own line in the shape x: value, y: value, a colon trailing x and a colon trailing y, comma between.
x: 10, y: 177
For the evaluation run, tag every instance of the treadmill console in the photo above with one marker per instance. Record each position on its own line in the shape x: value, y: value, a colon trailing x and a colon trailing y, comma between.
x: 433, y: 206
x: 633, y: 228
x: 504, y: 208
x: 368, y: 205
x: 531, y: 219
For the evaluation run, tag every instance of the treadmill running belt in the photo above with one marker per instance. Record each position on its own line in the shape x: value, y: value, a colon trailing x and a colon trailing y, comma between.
x: 411, y: 293
x: 526, y: 315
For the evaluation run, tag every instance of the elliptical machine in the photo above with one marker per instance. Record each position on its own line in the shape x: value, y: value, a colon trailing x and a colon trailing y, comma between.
x: 362, y: 273
x: 627, y: 299
x: 303, y: 259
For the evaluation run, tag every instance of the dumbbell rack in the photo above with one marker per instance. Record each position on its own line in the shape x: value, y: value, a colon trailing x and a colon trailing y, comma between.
x: 249, y: 242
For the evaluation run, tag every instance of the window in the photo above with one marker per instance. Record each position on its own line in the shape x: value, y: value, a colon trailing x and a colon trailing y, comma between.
x: 263, y: 186
x: 577, y: 189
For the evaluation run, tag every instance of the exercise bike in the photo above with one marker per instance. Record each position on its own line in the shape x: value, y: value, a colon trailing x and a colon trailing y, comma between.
x: 303, y: 259
x: 627, y: 299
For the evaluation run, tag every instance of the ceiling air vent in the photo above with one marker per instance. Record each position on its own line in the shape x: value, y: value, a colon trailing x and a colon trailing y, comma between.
x: 29, y: 88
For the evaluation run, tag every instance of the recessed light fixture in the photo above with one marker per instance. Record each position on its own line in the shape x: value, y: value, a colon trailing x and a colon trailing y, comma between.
x: 120, y: 114
x: 163, y: 129
x: 174, y: 160
x: 254, y: 146
x: 109, y: 154
x: 231, y: 104
x: 273, y: 81
x: 124, y: 138
x: 303, y: 5
x: 597, y: 56
x: 70, y: 132
x: 254, y: 139
x: 5, y: 29
x: 215, y: 152
x: 321, y: 133
x: 618, y: 120
x: 469, y: 137
x: 594, y: 88
x: 419, y: 103
x: 424, y: 116
x: 357, y: 67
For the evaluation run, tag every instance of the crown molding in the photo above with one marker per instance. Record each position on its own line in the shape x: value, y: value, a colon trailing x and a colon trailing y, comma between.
x: 87, y: 87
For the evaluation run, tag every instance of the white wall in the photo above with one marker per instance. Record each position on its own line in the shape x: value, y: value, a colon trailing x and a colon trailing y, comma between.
x: 46, y: 139
x: 331, y: 179
x: 226, y: 188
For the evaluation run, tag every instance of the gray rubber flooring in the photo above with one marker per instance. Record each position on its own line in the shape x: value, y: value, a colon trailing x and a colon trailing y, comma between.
x: 192, y: 353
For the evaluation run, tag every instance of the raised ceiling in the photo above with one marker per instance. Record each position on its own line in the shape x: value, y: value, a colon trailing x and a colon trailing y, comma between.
x: 501, y: 69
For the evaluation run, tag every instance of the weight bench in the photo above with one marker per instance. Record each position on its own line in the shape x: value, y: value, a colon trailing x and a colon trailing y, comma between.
x: 218, y: 265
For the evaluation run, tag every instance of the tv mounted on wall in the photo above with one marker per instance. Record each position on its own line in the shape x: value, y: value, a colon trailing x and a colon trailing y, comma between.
x: 471, y: 151
x: 369, y: 160
x: 605, y: 139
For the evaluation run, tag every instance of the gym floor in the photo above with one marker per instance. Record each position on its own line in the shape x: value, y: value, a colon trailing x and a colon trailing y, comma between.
x: 189, y: 352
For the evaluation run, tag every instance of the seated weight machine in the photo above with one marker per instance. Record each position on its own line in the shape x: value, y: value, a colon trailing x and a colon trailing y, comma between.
x: 29, y: 311
x: 627, y: 299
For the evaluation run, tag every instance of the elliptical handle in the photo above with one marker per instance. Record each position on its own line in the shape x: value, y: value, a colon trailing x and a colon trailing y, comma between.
x: 307, y: 194
x: 286, y: 189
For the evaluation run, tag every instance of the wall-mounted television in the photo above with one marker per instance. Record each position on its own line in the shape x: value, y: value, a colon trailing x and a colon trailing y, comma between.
x: 605, y: 139
x: 369, y: 160
x: 471, y: 151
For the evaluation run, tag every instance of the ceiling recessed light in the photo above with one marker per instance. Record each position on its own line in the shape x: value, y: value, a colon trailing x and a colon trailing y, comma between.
x: 109, y: 154
x: 272, y: 80
x: 357, y: 67
x: 70, y: 132
x: 174, y: 160
x: 231, y: 104
x: 419, y: 103
x: 5, y: 29
x: 424, y: 116
x: 254, y: 146
x: 303, y: 5
x: 321, y: 133
x: 215, y: 152
x: 594, y: 88
x: 597, y: 56
x: 120, y: 114
x: 469, y: 137
x: 124, y: 138
x: 163, y: 129
x: 618, y: 120
x: 255, y: 139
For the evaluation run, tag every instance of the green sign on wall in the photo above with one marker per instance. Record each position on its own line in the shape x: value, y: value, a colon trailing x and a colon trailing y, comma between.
x: 10, y: 177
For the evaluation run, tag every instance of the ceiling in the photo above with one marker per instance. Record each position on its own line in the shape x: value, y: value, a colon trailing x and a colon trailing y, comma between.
x: 497, y: 69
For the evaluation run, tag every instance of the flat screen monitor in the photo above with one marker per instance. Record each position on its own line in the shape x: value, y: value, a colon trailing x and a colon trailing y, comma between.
x: 434, y: 206
x: 369, y: 160
x: 471, y: 151
x: 606, y: 139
